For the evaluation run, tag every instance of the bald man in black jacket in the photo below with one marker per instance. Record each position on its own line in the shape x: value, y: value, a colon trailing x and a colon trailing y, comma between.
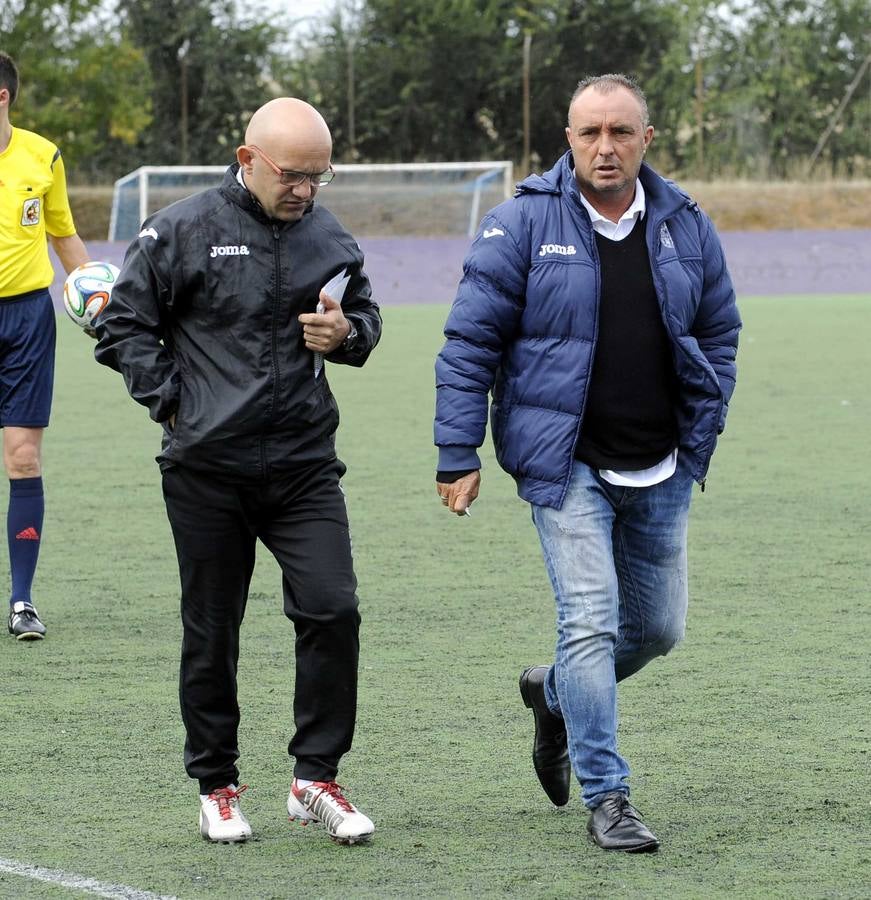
x: 219, y: 324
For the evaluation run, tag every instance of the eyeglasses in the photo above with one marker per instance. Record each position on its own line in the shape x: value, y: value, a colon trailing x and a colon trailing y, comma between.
x: 291, y: 178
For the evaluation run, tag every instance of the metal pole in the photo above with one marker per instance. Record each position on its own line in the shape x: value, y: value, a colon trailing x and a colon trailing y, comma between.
x: 508, y: 181
x: 352, y: 136
x: 183, y: 119
x: 700, y: 119
x: 143, y: 196
x: 527, y: 45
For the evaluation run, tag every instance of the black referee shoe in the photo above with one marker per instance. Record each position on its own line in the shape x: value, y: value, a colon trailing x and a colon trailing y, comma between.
x: 24, y: 622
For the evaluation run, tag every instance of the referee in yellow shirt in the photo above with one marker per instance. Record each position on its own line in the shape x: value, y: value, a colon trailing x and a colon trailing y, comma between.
x: 33, y: 205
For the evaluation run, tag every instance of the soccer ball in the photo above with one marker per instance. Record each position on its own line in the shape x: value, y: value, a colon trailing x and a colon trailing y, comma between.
x: 87, y: 291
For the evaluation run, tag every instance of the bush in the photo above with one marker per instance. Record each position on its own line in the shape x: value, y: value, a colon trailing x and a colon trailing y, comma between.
x: 92, y: 209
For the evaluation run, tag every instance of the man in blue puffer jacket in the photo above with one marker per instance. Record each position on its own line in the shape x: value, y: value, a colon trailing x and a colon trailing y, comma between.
x: 597, y: 308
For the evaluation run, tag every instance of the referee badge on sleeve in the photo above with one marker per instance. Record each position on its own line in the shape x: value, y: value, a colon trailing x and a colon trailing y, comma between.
x: 30, y: 211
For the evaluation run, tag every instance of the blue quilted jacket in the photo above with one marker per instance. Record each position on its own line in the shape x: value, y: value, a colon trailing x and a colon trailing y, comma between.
x: 524, y: 323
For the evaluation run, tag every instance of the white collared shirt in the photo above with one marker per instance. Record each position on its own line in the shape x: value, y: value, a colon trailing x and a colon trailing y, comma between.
x: 617, y: 231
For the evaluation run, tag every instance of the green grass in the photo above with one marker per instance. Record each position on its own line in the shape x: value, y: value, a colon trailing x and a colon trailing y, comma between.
x: 749, y: 745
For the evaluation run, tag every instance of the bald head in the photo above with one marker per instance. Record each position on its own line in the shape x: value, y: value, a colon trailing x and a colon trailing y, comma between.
x: 286, y: 121
x: 285, y: 135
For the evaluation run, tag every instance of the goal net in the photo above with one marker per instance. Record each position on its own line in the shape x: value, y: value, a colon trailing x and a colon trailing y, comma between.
x: 385, y: 199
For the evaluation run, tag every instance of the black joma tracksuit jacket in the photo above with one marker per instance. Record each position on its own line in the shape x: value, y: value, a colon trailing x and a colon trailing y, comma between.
x: 203, y: 323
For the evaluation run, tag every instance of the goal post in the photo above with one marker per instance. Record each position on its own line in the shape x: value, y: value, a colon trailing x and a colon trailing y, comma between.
x: 370, y: 199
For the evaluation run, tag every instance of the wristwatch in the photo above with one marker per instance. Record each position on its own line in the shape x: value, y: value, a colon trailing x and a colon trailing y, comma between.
x: 351, y: 339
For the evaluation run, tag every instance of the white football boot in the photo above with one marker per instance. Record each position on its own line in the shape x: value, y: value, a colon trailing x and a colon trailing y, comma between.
x: 324, y: 802
x: 221, y: 817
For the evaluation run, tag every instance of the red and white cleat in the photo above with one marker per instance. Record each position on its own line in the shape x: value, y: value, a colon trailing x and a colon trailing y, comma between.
x: 324, y: 802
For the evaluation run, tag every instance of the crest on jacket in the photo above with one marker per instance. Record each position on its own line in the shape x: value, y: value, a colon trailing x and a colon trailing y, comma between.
x: 665, y: 236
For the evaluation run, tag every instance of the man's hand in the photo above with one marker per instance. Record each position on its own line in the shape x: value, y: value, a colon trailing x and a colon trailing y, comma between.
x: 325, y: 331
x: 459, y: 495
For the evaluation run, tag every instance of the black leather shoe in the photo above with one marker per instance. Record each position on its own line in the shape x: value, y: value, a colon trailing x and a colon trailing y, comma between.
x: 550, y: 751
x: 616, y: 825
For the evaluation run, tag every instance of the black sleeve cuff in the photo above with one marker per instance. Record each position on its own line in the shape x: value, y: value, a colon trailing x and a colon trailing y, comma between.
x: 451, y: 477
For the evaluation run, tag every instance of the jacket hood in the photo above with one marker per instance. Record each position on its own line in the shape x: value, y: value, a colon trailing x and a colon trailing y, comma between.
x: 661, y: 193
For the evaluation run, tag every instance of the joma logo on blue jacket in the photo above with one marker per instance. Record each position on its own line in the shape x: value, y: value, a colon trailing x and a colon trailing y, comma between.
x: 557, y: 248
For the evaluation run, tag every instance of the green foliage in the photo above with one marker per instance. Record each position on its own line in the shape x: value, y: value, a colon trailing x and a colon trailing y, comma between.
x: 429, y: 78
x: 209, y: 71
x: 90, y: 95
x: 774, y: 72
x: 812, y: 51
x: 588, y: 37
x: 442, y: 80
x: 133, y: 82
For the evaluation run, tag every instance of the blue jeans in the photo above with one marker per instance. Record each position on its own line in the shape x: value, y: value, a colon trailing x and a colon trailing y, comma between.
x: 616, y: 557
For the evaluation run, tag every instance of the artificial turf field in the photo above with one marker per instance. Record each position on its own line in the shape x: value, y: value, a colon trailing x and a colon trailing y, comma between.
x: 749, y: 744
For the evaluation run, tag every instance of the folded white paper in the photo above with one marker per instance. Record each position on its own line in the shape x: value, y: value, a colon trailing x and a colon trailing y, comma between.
x: 335, y: 288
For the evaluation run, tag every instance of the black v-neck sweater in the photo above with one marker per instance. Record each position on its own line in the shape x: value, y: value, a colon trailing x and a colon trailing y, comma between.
x: 629, y: 419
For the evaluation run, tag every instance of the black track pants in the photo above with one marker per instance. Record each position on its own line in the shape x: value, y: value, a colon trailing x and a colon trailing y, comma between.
x: 302, y: 519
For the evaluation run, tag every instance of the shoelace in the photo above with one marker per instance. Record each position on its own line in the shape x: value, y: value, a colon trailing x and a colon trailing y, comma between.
x: 334, y: 790
x: 223, y: 797
x: 619, y: 807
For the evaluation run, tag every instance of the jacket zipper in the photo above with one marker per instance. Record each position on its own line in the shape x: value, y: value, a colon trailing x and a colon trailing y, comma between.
x: 594, y: 253
x: 659, y: 284
x: 276, y: 370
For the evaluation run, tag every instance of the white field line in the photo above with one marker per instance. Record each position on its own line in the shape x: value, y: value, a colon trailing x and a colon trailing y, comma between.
x: 78, y: 882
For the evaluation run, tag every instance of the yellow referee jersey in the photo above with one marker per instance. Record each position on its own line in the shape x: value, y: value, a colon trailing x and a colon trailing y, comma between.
x: 33, y: 203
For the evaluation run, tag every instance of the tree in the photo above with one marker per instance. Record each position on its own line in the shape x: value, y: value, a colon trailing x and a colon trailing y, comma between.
x: 774, y: 72
x: 89, y: 95
x: 427, y: 74
x: 735, y: 87
x: 442, y: 79
x: 209, y: 71
x: 589, y: 37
